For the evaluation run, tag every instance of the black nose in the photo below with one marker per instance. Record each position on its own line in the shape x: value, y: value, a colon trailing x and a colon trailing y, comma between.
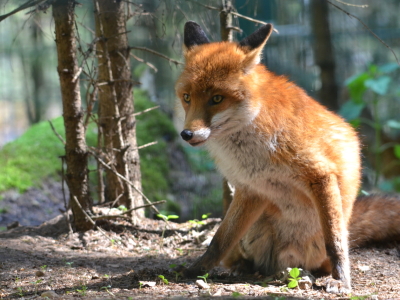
x: 186, y: 134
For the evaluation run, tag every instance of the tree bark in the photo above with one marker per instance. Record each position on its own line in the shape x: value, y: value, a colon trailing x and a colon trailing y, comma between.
x: 324, y: 54
x: 116, y: 105
x: 75, y: 148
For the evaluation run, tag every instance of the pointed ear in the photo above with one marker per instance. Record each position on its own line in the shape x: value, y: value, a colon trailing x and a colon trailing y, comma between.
x: 253, y: 46
x: 193, y: 35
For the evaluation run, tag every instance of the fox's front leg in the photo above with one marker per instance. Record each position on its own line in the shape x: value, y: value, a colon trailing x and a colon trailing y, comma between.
x: 244, y: 210
x: 334, y: 225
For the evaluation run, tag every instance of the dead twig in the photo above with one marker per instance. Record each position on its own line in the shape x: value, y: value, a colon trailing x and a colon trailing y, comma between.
x: 157, y: 54
x: 144, y: 62
x: 350, y: 4
x: 147, y: 145
x: 122, y: 215
x: 94, y: 223
x: 56, y: 133
x: 26, y: 5
x: 143, y: 206
x: 125, y: 180
x: 367, y: 28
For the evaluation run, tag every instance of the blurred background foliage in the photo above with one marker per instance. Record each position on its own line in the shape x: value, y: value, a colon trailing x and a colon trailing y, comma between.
x: 366, y: 79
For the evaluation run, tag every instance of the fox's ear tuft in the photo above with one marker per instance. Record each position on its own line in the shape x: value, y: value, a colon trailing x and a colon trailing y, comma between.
x: 253, y: 45
x: 258, y: 38
x: 193, y: 35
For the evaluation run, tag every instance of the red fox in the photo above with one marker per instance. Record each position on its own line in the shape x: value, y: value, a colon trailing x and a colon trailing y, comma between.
x: 294, y: 164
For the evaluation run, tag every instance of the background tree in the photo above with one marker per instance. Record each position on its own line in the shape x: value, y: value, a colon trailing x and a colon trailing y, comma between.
x: 116, y: 120
x: 76, y: 155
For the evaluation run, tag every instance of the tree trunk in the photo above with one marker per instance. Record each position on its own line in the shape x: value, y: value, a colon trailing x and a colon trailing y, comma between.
x: 116, y: 105
x: 324, y: 54
x: 225, y: 19
x: 75, y: 147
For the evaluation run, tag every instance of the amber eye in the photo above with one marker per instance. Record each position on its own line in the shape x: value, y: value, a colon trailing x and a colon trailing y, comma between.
x: 217, y: 99
x: 186, y: 98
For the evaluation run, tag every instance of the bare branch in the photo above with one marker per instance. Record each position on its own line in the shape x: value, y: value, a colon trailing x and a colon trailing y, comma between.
x: 26, y: 5
x: 251, y: 19
x: 143, y: 206
x: 158, y: 54
x: 204, y: 5
x: 146, y: 110
x: 147, y: 145
x: 350, y: 4
x: 93, y: 223
x: 145, y: 62
x: 124, y: 179
x: 368, y: 29
x: 56, y: 133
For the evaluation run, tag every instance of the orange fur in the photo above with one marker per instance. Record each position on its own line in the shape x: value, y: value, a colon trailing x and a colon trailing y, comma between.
x: 294, y: 164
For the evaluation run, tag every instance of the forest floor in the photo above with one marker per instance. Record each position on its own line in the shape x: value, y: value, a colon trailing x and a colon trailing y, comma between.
x: 126, y: 262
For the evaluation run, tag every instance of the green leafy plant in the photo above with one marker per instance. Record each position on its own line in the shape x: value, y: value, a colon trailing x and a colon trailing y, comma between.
x: 294, y: 277
x: 370, y: 89
x: 163, y: 279
x: 204, y: 277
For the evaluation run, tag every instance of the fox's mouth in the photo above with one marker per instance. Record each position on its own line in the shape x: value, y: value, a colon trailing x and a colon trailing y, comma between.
x: 195, y: 144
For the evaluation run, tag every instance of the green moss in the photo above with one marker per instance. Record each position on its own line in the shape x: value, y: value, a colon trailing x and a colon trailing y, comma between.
x: 34, y: 156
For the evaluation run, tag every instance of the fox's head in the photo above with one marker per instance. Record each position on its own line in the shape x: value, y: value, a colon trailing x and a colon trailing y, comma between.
x: 215, y: 87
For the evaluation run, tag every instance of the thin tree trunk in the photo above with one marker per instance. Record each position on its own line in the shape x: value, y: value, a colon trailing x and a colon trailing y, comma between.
x: 116, y: 105
x: 75, y: 148
x: 226, y: 35
x: 324, y: 54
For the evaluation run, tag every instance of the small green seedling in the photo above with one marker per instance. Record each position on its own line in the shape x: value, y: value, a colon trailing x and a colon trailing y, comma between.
x: 122, y: 208
x: 36, y: 284
x: 20, y: 291
x: 69, y: 263
x: 236, y: 294
x: 177, y: 274
x: 166, y: 219
x: 164, y: 280
x: 205, y: 216
x: 43, y: 267
x: 204, y: 277
x: 140, y: 285
x: 83, y: 290
x: 294, y: 278
x: 106, y: 289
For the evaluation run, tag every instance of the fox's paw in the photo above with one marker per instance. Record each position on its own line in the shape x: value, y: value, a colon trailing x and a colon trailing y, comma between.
x: 337, y: 287
x: 191, y: 272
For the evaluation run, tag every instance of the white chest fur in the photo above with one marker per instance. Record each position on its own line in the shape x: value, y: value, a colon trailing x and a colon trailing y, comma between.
x: 244, y: 159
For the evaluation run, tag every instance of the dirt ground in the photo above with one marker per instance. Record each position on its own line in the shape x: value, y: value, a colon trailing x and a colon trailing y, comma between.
x: 125, y: 262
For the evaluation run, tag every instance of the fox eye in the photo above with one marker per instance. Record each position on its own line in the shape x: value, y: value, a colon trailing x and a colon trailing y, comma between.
x: 217, y: 99
x: 186, y: 98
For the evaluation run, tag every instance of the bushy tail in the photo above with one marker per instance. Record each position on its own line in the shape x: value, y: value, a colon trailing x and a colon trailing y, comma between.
x: 375, y: 218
